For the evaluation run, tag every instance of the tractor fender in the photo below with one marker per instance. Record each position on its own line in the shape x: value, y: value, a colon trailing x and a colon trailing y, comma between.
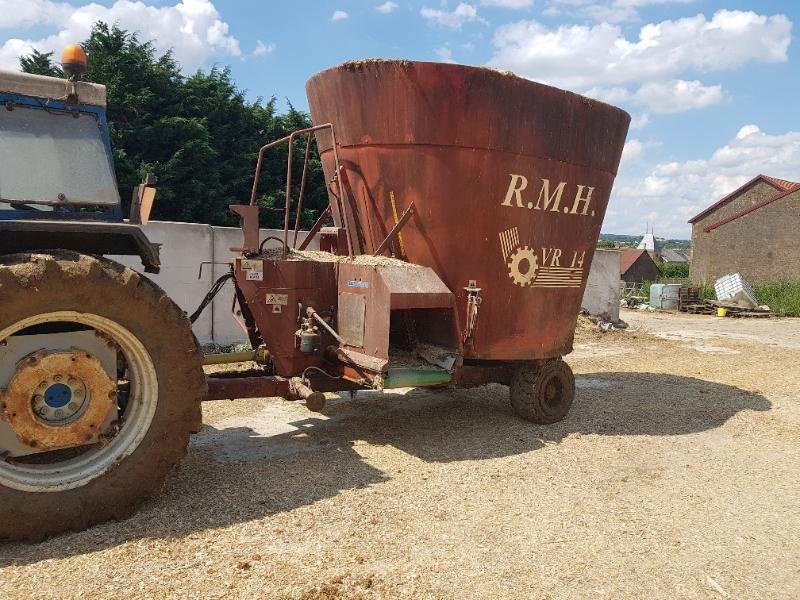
x: 87, y: 237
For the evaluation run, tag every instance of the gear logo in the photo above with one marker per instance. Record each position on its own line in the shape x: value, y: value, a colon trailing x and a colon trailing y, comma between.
x: 548, y: 268
x: 523, y: 266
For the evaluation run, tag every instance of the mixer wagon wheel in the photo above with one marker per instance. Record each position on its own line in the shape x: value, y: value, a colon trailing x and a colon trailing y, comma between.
x: 543, y: 392
x: 100, y: 382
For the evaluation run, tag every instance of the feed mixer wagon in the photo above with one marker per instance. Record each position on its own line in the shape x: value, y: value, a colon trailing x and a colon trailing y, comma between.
x: 464, y: 209
x: 466, y: 206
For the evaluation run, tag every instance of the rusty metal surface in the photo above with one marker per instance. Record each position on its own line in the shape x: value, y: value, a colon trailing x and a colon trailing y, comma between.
x: 386, y: 291
x: 275, y: 295
x: 351, y: 318
x: 18, y: 400
x: 510, y: 180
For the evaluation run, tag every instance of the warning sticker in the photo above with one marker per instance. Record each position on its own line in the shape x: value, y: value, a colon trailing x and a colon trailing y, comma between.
x: 279, y: 299
x: 254, y: 275
x: 252, y: 265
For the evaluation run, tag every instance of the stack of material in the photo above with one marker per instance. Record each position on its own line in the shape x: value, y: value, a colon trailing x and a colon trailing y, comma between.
x: 689, y: 299
x: 733, y: 288
x: 733, y: 294
x: 735, y: 310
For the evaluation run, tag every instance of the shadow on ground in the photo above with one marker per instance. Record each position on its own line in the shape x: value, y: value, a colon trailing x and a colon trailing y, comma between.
x: 266, y: 474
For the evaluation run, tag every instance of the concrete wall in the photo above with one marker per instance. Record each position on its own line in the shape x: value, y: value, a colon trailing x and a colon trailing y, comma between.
x: 762, y: 245
x: 184, y: 246
x: 602, y: 288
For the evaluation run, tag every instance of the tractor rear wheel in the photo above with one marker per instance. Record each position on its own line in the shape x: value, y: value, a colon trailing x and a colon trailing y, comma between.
x: 100, y: 383
x: 543, y: 392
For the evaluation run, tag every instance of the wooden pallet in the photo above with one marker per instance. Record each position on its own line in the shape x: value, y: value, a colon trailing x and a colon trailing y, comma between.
x: 689, y: 299
x: 709, y: 307
x: 698, y: 308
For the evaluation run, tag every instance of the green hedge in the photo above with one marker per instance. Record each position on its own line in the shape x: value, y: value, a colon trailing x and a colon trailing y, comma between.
x: 782, y: 297
x: 674, y: 270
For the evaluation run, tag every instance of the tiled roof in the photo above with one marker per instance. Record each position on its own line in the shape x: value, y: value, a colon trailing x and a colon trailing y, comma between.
x: 784, y: 184
x: 627, y: 257
x: 673, y: 256
x: 781, y: 187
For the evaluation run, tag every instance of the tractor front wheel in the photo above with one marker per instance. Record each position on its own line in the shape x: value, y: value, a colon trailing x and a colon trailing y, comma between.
x: 100, y: 383
x: 542, y: 392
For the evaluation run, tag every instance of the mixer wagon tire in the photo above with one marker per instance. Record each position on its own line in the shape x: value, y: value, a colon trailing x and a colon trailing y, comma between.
x: 159, y: 383
x: 543, y: 392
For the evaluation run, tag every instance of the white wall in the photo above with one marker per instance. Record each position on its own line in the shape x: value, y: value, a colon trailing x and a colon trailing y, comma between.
x: 602, y: 288
x: 184, y: 246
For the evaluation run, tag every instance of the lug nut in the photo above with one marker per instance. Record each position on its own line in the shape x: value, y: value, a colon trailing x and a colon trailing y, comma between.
x: 57, y: 378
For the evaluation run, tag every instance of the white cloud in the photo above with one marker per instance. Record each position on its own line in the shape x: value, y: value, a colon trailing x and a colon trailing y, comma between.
x: 633, y: 149
x: 386, y: 7
x: 609, y: 11
x: 445, y: 54
x: 672, y: 192
x: 580, y: 57
x: 261, y: 48
x: 663, y: 97
x: 515, y: 4
x: 32, y: 12
x: 677, y: 96
x: 193, y: 29
x: 339, y: 15
x: 454, y: 19
x: 640, y: 121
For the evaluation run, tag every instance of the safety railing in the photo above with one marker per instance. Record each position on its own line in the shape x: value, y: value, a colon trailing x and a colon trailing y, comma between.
x: 337, y: 180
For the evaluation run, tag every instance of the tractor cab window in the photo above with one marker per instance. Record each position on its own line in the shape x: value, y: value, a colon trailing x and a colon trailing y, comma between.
x: 50, y: 157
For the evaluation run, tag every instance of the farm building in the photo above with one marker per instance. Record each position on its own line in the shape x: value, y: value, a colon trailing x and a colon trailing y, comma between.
x: 636, y: 266
x: 752, y: 230
x: 673, y: 257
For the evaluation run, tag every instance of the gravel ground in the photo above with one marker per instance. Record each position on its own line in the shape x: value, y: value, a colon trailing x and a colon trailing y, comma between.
x: 675, y: 474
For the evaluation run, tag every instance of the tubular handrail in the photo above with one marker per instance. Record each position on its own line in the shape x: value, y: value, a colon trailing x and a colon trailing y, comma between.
x: 289, y: 139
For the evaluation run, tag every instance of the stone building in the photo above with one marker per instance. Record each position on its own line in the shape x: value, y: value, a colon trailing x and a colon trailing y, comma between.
x: 754, y: 230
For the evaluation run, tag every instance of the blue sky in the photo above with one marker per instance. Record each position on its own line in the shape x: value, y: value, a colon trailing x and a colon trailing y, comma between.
x: 712, y: 85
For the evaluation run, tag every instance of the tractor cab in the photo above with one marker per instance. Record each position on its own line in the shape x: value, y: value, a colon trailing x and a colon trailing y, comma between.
x: 57, y: 182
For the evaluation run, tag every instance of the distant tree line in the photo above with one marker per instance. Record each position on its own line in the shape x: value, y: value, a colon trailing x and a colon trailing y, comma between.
x: 198, y: 133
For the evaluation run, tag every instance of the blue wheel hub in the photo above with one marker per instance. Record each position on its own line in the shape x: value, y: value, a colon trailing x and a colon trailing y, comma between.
x: 58, y: 395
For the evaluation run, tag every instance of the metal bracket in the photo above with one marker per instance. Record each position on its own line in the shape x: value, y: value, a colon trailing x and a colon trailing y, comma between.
x: 473, y: 303
x: 409, y: 212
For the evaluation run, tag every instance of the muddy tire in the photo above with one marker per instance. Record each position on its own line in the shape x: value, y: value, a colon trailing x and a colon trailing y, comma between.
x: 33, y: 286
x: 543, y: 392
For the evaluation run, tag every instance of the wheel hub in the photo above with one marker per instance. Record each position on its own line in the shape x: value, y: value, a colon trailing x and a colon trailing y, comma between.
x: 58, y: 399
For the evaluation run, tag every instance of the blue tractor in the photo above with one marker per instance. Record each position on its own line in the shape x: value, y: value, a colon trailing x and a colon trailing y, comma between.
x: 100, y: 374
